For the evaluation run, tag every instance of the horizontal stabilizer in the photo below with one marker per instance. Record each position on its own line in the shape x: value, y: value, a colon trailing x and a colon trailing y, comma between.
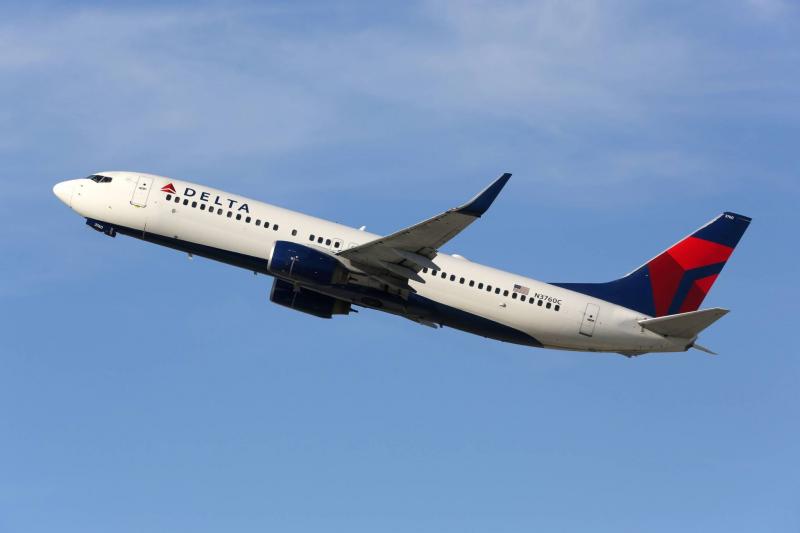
x: 684, y: 325
x: 703, y: 349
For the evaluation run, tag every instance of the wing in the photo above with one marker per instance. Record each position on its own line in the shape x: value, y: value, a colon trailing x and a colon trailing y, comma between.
x: 399, y: 257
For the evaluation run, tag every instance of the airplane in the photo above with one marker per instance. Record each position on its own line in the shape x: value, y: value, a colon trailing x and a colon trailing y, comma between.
x: 323, y: 268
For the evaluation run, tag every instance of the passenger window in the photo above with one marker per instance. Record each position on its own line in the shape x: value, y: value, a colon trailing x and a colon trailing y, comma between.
x: 531, y: 301
x: 327, y: 242
x: 248, y: 219
x: 557, y: 307
x: 185, y: 201
x: 336, y: 244
x: 497, y: 290
x: 319, y: 240
x: 169, y: 197
x: 522, y: 297
x: 202, y: 207
x: 424, y: 270
x: 294, y: 232
x: 230, y: 214
x: 539, y: 303
x: 505, y: 293
x: 489, y: 288
x: 311, y: 237
x: 513, y: 295
x: 194, y: 205
x: 275, y: 227
x: 258, y: 222
x: 549, y: 305
x: 177, y: 200
x: 461, y: 281
x: 238, y: 216
x: 452, y: 277
x: 444, y: 275
x: 480, y: 285
x: 472, y: 283
x: 219, y: 211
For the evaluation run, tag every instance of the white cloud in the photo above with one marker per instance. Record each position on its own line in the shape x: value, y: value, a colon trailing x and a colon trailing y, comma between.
x: 137, y: 81
x: 588, y: 102
x: 240, y: 82
x: 543, y: 63
x: 768, y: 8
x: 200, y: 83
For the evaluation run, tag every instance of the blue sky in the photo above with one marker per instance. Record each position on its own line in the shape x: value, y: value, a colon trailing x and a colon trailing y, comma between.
x: 141, y: 391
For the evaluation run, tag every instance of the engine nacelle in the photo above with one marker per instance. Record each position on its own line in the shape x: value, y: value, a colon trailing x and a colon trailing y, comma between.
x: 303, y: 263
x: 307, y: 301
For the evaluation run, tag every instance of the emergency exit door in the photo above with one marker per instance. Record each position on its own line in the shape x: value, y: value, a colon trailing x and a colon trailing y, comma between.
x: 142, y: 191
x: 589, y: 319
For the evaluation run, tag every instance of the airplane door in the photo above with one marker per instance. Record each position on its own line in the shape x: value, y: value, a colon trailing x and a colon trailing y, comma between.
x: 142, y: 191
x: 589, y: 319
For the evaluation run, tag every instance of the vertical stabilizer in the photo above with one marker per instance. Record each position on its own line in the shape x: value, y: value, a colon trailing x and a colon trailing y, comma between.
x: 678, y: 279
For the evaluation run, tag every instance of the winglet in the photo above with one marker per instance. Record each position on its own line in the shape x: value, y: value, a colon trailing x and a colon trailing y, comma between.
x: 483, y: 200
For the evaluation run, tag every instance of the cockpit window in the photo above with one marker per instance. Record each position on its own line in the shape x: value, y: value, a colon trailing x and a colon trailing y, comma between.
x: 99, y: 179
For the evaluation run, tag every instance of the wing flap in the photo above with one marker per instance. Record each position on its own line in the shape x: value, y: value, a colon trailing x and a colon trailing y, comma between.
x: 403, y: 272
x: 418, y: 260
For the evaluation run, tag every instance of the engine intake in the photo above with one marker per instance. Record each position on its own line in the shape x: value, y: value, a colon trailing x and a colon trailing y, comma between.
x: 303, y: 263
x: 307, y: 301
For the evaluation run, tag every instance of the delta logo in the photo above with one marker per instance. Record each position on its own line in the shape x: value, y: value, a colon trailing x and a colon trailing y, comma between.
x: 208, y: 198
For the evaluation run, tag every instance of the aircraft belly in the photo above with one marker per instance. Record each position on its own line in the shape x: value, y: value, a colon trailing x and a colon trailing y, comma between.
x: 482, y: 316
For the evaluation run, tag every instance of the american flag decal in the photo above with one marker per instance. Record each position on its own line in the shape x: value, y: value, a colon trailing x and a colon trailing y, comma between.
x: 521, y: 289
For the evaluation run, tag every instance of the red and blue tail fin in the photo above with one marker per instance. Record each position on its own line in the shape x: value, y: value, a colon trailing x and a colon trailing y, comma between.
x: 678, y: 279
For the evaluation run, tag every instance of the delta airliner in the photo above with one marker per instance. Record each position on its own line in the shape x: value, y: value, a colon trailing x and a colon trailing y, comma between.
x: 323, y: 268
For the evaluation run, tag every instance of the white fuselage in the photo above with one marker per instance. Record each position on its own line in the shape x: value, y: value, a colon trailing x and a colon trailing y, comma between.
x: 241, y: 231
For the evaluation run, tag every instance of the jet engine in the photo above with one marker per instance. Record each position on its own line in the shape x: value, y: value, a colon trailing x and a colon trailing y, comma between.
x: 303, y: 263
x: 307, y: 301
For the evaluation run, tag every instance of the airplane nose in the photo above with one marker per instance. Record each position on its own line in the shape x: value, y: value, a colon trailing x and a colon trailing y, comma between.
x: 63, y: 191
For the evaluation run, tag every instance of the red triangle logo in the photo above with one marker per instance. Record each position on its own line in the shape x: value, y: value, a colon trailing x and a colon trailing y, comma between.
x: 168, y: 188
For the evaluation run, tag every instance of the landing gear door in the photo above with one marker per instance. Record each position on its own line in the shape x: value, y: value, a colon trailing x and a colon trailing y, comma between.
x: 589, y: 319
x: 142, y: 191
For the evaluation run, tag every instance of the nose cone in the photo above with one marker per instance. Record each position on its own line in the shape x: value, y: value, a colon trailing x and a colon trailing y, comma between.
x: 63, y: 191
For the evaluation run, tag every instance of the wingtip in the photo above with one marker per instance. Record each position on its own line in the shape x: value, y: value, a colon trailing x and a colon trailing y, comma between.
x: 484, y: 199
